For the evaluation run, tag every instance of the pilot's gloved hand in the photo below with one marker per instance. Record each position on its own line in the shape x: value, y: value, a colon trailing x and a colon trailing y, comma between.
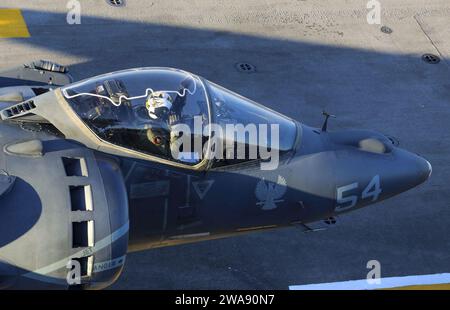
x: 174, y: 119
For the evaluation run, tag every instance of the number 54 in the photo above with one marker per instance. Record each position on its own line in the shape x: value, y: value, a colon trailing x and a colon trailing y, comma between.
x: 373, y: 190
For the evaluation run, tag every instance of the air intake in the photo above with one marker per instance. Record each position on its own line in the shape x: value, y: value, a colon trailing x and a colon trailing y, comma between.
x: 18, y: 109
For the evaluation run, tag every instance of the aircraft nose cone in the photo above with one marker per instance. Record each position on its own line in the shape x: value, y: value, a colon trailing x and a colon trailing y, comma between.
x: 424, y: 170
x: 408, y: 171
x: 419, y: 169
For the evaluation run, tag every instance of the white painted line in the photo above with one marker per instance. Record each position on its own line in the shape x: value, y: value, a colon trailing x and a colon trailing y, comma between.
x: 39, y: 273
x: 429, y: 279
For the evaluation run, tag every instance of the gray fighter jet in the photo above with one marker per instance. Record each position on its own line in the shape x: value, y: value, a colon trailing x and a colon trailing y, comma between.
x: 144, y: 158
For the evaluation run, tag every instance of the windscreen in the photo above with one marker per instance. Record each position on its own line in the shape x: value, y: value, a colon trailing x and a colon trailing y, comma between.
x: 247, y: 129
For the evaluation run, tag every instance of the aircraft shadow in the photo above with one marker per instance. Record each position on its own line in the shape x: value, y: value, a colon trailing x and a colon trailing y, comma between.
x: 305, y: 77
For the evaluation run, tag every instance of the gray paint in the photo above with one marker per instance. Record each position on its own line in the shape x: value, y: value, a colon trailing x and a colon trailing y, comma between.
x: 81, y: 200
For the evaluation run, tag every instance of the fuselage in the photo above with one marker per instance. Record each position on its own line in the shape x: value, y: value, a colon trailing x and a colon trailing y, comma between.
x: 68, y: 195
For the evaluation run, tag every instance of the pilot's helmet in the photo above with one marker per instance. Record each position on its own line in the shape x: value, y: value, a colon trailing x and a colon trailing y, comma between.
x: 158, y: 105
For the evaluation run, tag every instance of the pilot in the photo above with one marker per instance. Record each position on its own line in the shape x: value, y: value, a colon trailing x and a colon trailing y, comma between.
x: 158, y: 105
x: 165, y: 110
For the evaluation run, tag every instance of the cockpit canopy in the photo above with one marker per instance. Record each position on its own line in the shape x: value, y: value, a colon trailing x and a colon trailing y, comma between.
x: 172, y: 114
x: 116, y: 107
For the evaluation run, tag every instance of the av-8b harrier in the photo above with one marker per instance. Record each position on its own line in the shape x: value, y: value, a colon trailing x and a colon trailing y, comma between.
x: 143, y: 158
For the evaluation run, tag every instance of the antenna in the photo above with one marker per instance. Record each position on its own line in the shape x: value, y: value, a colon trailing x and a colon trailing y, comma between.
x: 325, y: 123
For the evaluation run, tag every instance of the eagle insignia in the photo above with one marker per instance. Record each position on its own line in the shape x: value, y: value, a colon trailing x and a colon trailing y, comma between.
x: 270, y: 193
